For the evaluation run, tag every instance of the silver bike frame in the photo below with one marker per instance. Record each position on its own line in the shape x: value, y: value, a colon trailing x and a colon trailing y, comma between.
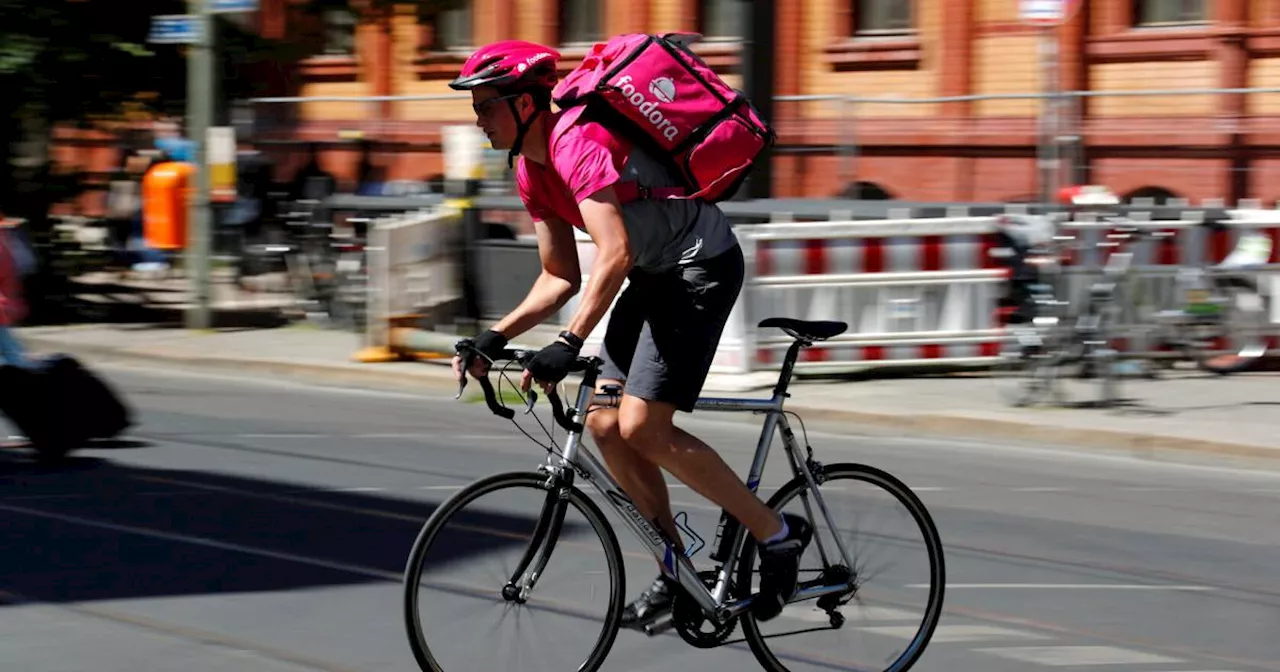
x: 581, y: 460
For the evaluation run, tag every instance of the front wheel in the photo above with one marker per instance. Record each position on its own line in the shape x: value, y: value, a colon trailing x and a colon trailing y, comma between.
x: 514, y: 572
x: 885, y: 551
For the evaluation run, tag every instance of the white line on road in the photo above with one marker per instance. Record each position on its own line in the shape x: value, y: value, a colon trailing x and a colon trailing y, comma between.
x: 281, y: 436
x: 1042, y: 489
x: 441, y: 487
x: 953, y: 633
x: 1069, y: 586
x: 1060, y: 656
x: 208, y: 543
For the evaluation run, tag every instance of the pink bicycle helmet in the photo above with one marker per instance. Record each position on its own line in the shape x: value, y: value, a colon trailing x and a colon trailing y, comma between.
x: 509, y: 65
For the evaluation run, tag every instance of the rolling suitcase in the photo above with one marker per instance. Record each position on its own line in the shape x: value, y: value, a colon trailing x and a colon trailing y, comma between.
x: 84, y: 400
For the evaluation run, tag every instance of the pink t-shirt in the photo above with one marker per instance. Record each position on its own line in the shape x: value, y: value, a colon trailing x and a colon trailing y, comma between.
x: 585, y: 158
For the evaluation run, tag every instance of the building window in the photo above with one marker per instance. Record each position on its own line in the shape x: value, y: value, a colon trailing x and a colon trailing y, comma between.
x: 339, y: 32
x: 581, y: 21
x: 453, y: 27
x: 883, y: 17
x: 722, y: 19
x: 1162, y: 12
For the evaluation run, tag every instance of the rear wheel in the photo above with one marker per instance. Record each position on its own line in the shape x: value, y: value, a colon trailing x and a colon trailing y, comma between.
x: 894, y: 575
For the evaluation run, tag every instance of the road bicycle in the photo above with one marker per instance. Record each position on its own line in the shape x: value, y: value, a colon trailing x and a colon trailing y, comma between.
x: 840, y: 589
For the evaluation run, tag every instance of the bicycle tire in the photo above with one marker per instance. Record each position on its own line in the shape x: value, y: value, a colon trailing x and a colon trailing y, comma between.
x: 904, y: 495
x: 451, y: 506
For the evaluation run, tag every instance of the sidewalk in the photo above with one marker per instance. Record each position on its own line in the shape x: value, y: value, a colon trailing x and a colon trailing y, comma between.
x: 1182, y: 416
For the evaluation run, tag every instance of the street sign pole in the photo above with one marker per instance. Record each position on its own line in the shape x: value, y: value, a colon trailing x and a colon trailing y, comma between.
x: 199, y: 115
x: 1050, y: 167
x: 1049, y: 15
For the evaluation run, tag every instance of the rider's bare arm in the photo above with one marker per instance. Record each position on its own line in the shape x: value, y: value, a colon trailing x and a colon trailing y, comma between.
x: 559, y: 281
x: 602, y: 215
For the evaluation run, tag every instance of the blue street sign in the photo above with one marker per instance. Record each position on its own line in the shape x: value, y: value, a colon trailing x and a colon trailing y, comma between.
x: 232, y: 6
x: 174, y: 29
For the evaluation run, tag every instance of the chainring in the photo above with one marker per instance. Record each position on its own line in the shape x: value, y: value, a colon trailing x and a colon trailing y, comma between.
x: 694, y: 626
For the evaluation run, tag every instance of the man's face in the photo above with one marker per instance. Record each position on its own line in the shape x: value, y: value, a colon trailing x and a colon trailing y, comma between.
x: 493, y: 114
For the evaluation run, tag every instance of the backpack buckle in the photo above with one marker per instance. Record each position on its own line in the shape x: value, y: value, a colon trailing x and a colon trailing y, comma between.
x: 643, y: 193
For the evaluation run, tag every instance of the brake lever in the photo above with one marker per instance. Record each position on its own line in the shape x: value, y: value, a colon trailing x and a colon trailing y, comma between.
x: 467, y: 352
x: 533, y: 399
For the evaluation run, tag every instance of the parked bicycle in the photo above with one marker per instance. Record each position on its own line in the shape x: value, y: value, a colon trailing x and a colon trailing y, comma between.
x: 1220, y: 305
x: 1048, y: 342
x: 1222, y: 320
x: 538, y: 516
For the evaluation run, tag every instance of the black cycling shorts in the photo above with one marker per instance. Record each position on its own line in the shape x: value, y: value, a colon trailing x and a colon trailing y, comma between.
x: 665, y: 327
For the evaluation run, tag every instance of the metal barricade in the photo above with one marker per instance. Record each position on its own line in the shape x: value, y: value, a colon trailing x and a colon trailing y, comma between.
x: 913, y: 291
x: 1153, y: 288
x: 414, y: 273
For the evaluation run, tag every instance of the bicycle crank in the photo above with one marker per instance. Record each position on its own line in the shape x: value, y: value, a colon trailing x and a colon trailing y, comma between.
x: 694, y: 626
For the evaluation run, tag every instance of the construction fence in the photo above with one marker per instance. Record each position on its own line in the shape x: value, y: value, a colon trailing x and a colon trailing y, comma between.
x: 916, y: 291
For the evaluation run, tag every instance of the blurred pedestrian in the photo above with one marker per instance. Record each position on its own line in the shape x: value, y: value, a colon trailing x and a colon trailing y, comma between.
x: 16, y: 260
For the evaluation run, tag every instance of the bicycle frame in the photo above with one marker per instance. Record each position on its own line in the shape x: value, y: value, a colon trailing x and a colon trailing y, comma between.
x: 731, y: 536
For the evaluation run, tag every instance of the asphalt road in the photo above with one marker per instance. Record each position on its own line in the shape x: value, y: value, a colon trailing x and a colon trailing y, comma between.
x: 264, y: 525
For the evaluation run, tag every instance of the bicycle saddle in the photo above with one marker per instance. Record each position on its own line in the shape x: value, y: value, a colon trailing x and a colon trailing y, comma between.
x: 811, y: 331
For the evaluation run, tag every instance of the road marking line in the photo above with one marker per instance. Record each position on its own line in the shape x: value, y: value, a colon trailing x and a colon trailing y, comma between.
x: 1071, y: 586
x: 954, y: 633
x: 208, y: 543
x: 286, y: 498
x: 282, y: 436
x: 441, y: 487
x: 1063, y: 656
x: 1042, y: 489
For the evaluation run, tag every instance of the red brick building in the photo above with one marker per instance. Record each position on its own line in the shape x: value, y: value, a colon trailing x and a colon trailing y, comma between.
x: 979, y: 143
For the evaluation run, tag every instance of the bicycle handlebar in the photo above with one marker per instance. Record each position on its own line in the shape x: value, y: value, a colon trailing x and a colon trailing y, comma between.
x: 466, y: 349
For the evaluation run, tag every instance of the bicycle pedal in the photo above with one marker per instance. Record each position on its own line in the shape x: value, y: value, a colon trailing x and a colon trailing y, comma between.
x: 659, y: 626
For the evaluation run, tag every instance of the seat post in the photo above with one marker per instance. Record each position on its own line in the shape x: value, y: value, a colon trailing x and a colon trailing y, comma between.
x: 788, y: 365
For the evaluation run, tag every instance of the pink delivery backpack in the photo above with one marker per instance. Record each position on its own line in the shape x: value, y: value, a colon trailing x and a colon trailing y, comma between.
x: 660, y: 95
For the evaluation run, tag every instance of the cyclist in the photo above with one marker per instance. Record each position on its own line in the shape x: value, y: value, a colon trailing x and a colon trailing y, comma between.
x: 685, y: 271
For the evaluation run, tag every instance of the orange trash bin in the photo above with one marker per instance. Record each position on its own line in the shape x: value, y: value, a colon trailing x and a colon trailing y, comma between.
x: 166, y: 189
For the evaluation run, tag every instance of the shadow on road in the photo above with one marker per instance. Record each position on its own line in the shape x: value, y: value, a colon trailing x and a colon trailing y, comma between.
x: 91, y: 529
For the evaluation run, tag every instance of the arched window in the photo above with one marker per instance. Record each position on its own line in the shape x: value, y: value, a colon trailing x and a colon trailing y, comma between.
x: 1157, y: 195
x: 866, y: 191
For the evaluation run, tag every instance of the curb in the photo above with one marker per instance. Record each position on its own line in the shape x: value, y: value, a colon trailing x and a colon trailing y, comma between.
x: 438, y: 377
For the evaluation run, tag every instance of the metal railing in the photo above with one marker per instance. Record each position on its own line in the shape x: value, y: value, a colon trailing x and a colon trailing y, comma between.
x: 1056, y: 129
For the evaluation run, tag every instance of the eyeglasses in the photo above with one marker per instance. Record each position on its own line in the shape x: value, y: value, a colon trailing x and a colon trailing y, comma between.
x: 485, y: 108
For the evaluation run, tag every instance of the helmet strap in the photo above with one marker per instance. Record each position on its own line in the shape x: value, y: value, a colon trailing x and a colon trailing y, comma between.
x: 522, y: 128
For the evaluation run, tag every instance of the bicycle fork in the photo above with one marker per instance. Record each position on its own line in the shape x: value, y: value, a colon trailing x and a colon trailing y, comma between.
x: 543, y: 540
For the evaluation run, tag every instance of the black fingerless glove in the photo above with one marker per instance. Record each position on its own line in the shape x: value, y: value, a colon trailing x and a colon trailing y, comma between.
x: 553, y: 362
x: 491, y: 344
